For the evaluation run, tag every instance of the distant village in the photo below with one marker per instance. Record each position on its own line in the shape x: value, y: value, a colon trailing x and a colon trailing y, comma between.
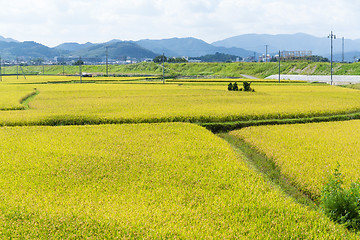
x: 73, y: 60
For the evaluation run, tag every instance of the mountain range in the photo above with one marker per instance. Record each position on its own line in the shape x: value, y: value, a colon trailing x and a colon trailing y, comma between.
x: 243, y: 46
x: 295, y: 42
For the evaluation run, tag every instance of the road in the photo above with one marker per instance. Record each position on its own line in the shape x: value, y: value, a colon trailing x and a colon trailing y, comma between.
x: 337, y: 79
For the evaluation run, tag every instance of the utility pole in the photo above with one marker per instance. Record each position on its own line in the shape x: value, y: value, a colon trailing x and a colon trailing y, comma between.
x: 343, y: 48
x: 80, y: 70
x: 17, y: 68
x: 279, y: 64
x: 0, y: 70
x: 163, y: 60
x: 22, y: 72
x: 43, y: 67
x: 107, y: 57
x: 266, y: 47
x: 331, y: 36
x: 254, y: 56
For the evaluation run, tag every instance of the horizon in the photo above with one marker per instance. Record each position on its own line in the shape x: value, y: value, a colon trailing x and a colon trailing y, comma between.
x: 115, y: 39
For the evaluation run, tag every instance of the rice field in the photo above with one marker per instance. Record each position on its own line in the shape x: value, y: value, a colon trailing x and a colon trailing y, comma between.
x: 308, y: 153
x: 228, y: 80
x: 164, y: 180
x: 41, y: 79
x: 12, y: 96
x: 132, y: 103
x: 141, y: 181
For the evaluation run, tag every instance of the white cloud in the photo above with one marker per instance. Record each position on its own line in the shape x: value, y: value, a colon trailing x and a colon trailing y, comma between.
x: 52, y: 22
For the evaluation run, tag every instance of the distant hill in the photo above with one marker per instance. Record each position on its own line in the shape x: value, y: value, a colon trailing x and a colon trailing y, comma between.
x: 242, y: 46
x: 3, y: 39
x: 289, y: 42
x: 116, y: 50
x: 348, y: 56
x: 26, y: 50
x: 192, y: 47
x: 72, y: 46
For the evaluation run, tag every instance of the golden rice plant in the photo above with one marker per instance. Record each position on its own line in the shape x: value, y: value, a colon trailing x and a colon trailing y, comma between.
x: 308, y: 153
x: 141, y: 181
x: 172, y: 102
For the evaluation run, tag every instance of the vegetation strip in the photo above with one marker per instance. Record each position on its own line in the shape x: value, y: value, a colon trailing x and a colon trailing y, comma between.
x: 229, y: 126
x: 26, y: 100
x: 215, y: 127
x: 267, y: 168
x: 260, y: 70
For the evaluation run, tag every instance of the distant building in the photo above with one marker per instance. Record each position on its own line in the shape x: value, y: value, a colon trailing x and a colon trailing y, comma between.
x: 262, y: 58
x: 194, y: 61
x: 295, y: 54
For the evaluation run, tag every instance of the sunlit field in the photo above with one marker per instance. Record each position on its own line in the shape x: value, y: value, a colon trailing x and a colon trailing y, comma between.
x: 133, y: 103
x: 308, y: 153
x: 228, y: 80
x: 149, y: 181
x: 30, y: 79
x: 12, y: 95
x: 149, y: 176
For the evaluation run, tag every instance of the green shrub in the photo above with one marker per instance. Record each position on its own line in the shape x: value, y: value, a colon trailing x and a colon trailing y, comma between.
x: 235, y: 87
x: 247, y: 87
x: 340, y: 204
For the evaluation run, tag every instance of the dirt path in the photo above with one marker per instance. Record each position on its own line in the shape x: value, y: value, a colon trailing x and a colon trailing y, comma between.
x: 248, y: 76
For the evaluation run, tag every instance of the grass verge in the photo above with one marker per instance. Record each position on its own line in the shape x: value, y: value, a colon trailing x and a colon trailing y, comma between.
x: 27, y: 99
x: 217, y: 127
x: 266, y: 167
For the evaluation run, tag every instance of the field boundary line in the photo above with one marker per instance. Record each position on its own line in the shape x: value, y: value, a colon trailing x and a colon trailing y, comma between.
x: 217, y: 127
x: 265, y: 166
x: 24, y: 101
x: 28, y: 98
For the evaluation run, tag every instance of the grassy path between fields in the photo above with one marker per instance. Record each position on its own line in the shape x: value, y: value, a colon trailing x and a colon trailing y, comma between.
x: 218, y: 127
x: 267, y: 168
x: 28, y: 98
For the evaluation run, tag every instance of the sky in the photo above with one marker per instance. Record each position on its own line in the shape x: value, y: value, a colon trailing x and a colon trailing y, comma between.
x: 52, y: 22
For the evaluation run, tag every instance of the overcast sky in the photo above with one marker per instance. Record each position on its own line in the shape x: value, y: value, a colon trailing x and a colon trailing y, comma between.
x: 52, y: 22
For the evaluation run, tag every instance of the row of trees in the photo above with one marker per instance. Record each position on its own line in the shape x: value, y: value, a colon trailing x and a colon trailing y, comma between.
x: 313, y: 58
x: 161, y: 58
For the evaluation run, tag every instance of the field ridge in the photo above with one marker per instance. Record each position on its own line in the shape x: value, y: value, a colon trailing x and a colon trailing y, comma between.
x: 202, y: 69
x: 268, y: 169
x: 27, y: 99
x: 217, y: 127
